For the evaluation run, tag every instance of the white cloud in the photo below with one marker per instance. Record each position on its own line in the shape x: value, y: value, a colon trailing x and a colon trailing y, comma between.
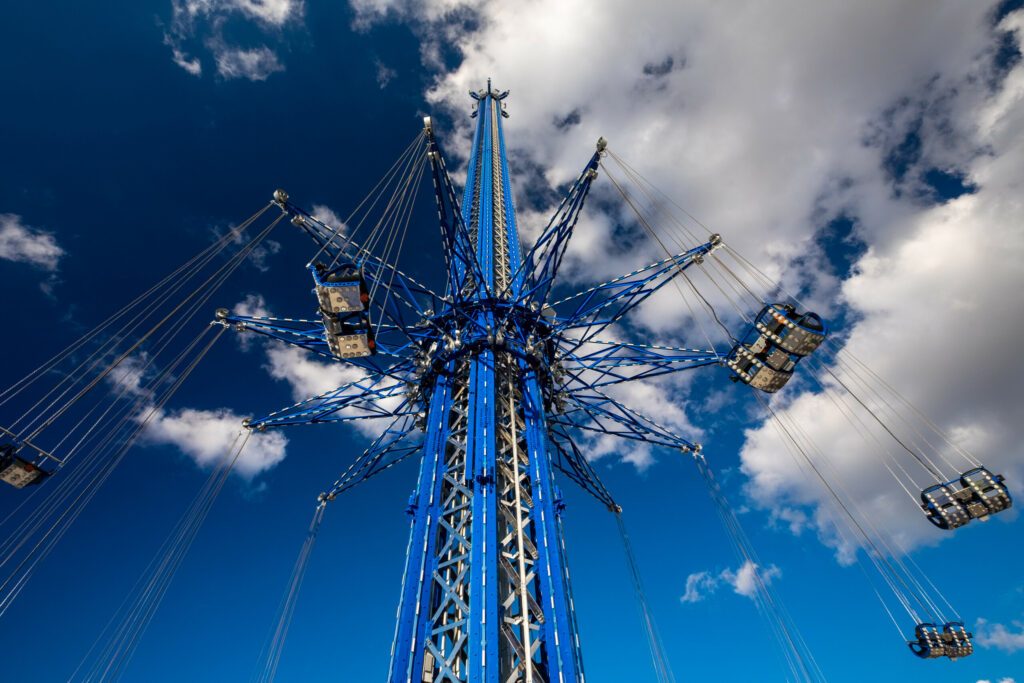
x: 255, y: 64
x: 23, y: 244
x: 998, y: 636
x: 210, y: 436
x: 306, y: 375
x: 328, y: 217
x: 131, y: 374
x: 252, y: 306
x: 203, y: 22
x: 767, y: 136
x: 743, y: 581
x: 385, y: 74
x: 698, y: 586
x: 189, y: 64
x: 1001, y: 680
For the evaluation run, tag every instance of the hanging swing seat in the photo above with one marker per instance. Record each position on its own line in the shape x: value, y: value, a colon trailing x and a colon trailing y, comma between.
x: 975, y: 495
x: 341, y: 289
x: 17, y: 471
x: 790, y: 330
x: 761, y: 365
x: 344, y: 307
x: 773, y: 345
x: 952, y: 641
x: 350, y: 339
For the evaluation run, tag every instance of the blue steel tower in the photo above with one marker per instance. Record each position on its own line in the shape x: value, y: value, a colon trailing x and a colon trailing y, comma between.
x: 502, y: 382
x: 486, y: 588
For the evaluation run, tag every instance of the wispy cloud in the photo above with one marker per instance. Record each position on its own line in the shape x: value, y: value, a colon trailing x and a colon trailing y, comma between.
x: 743, y: 581
x: 256, y: 64
x: 385, y: 74
x: 330, y: 218
x: 200, y: 26
x: 23, y: 244
x: 1000, y: 637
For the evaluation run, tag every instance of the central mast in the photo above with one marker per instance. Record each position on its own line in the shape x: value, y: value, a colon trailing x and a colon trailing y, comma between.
x: 486, y: 590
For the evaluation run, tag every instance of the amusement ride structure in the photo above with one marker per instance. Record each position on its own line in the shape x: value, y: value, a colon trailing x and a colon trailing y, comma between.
x: 497, y: 383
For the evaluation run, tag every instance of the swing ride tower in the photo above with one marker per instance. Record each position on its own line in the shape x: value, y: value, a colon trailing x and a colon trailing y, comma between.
x: 486, y: 589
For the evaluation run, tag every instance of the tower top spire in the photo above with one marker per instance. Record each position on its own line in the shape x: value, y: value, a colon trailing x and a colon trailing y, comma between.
x: 480, y: 95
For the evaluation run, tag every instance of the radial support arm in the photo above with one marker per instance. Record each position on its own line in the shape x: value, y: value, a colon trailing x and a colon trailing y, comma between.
x: 596, y: 308
x: 393, y: 345
x: 600, y: 363
x: 376, y: 396
x: 409, y: 294
x: 573, y: 463
x: 461, y: 262
x: 540, y: 265
x: 595, y: 411
x: 393, y: 446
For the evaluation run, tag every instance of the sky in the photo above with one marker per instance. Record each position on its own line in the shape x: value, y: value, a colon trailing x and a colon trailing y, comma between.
x: 868, y: 155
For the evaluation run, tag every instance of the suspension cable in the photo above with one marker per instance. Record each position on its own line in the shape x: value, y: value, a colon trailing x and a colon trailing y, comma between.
x: 661, y: 664
x: 272, y: 652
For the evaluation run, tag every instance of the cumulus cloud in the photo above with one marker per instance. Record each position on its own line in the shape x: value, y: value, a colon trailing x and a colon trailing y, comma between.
x: 1009, y: 639
x: 211, y: 436
x: 843, y: 111
x: 206, y: 436
x: 200, y: 25
x: 23, y: 244
x: 743, y: 581
x: 306, y: 375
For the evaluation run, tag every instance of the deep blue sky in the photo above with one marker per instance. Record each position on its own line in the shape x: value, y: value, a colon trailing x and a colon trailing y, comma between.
x: 131, y: 162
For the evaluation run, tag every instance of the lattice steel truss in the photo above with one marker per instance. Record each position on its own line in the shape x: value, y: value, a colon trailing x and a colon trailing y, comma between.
x: 503, y: 383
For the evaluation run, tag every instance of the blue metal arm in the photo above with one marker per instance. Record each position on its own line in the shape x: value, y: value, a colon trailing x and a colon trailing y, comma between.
x: 405, y: 289
x: 392, y: 344
x: 540, y: 265
x: 601, y: 363
x: 574, y: 464
x: 386, y: 451
x: 595, y: 411
x: 366, y: 398
x: 604, y: 304
x: 463, y: 267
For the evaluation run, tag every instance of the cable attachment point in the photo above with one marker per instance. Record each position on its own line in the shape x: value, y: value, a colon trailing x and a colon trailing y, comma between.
x: 602, y: 145
x: 221, y: 313
x: 715, y: 241
x: 280, y: 197
x: 247, y: 424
